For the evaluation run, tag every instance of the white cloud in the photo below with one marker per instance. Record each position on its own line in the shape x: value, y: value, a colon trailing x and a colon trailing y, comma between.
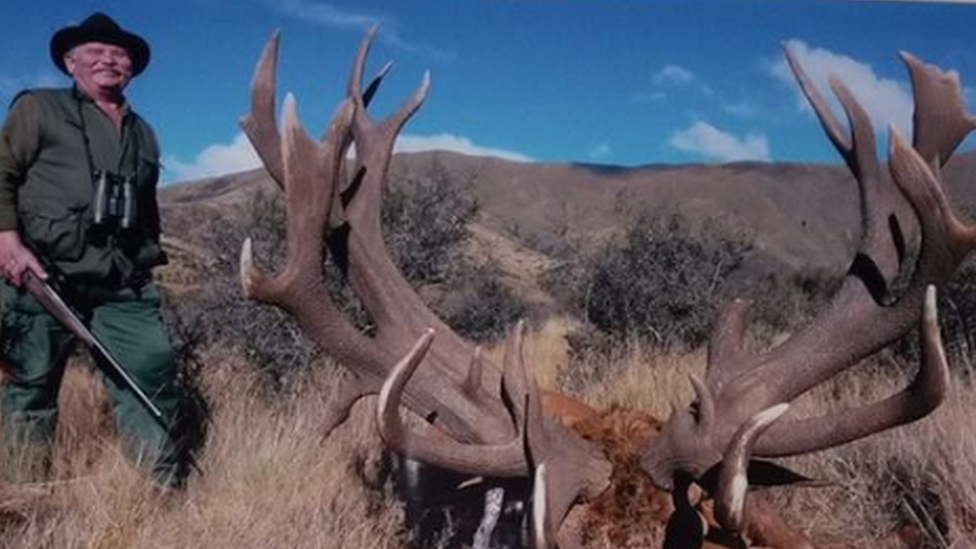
x: 453, y: 143
x: 744, y: 109
x: 238, y: 155
x: 215, y: 160
x: 320, y: 13
x: 600, y: 151
x: 712, y: 143
x: 674, y: 75
x: 670, y: 80
x: 330, y: 16
x: 650, y: 97
x: 886, y: 101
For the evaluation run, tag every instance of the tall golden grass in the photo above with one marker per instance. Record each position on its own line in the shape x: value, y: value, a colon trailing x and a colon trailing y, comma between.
x: 270, y: 480
x: 919, y: 477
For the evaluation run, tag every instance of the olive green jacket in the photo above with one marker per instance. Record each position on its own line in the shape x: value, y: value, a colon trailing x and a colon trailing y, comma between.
x: 46, y: 185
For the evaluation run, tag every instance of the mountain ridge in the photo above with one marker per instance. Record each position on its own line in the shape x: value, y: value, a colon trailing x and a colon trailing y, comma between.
x: 802, y: 216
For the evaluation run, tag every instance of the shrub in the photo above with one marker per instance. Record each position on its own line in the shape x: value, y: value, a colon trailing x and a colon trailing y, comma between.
x: 425, y: 222
x: 662, y: 281
x: 480, y: 306
x: 957, y: 309
x: 220, y: 313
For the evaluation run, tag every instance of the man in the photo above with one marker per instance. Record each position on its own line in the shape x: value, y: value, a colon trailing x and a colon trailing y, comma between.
x: 78, y: 175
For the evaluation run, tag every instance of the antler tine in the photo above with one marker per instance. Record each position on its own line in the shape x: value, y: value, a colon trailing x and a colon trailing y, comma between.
x: 472, y: 383
x: 348, y: 185
x: 945, y: 243
x: 858, y: 150
x: 515, y: 382
x: 305, y: 164
x: 499, y: 460
x: 256, y: 282
x: 940, y: 119
x: 375, y: 140
x: 259, y: 124
x: 580, y: 465
x: 395, y: 122
x: 884, y: 213
x: 861, y: 318
x: 542, y: 523
x: 733, y: 484
x: 392, y: 303
x: 410, y: 106
x: 946, y: 240
x: 861, y: 158
x: 483, y: 433
x: 832, y: 127
x: 374, y: 84
x: 926, y: 392
x: 356, y: 78
x: 303, y: 171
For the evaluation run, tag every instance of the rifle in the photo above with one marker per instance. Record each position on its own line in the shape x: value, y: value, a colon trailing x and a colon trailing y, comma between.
x: 45, y: 293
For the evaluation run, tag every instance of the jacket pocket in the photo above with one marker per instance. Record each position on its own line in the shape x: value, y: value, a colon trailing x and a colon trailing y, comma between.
x: 57, y: 231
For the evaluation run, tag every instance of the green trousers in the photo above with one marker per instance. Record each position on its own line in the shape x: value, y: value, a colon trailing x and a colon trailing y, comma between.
x: 129, y: 325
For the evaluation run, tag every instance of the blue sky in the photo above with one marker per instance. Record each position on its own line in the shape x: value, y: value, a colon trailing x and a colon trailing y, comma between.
x: 614, y: 82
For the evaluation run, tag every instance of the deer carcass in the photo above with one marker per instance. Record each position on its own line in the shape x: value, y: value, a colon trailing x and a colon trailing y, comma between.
x: 491, y: 419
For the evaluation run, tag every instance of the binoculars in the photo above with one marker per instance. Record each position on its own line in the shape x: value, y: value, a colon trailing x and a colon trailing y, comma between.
x: 114, y: 201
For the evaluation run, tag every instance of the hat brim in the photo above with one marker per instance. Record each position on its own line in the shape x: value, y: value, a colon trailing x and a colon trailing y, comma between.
x: 65, y: 39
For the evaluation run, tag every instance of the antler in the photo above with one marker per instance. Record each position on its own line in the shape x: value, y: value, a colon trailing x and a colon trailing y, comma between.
x: 492, y: 418
x: 900, y: 206
x: 490, y: 423
x: 578, y: 464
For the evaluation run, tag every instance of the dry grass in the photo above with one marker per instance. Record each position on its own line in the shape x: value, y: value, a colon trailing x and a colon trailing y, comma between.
x: 268, y: 482
x: 922, y: 475
x: 271, y: 482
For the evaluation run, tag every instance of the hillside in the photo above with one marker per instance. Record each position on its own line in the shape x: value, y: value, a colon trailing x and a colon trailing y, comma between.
x: 802, y: 216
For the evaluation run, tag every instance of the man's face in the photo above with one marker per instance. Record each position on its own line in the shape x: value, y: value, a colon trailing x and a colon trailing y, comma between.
x: 98, y: 67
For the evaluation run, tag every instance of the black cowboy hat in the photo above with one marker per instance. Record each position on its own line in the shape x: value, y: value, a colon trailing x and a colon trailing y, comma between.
x: 99, y: 28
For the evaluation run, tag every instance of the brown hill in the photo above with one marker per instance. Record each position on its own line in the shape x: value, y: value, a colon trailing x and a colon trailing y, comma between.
x: 803, y: 216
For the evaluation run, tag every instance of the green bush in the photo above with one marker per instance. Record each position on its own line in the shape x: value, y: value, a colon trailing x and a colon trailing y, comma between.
x: 425, y: 222
x: 663, y: 281
x: 479, y: 306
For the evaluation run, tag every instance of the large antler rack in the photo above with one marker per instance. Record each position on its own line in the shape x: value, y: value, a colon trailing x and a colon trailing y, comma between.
x: 901, y: 207
x: 493, y: 422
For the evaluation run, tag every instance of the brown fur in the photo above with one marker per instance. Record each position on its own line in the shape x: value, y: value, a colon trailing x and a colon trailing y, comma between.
x: 633, y: 512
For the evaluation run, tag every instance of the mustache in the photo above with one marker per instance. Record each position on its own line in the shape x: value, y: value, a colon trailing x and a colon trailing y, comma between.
x: 114, y: 71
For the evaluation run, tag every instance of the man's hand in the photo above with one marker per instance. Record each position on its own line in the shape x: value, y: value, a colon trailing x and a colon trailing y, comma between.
x: 16, y: 259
